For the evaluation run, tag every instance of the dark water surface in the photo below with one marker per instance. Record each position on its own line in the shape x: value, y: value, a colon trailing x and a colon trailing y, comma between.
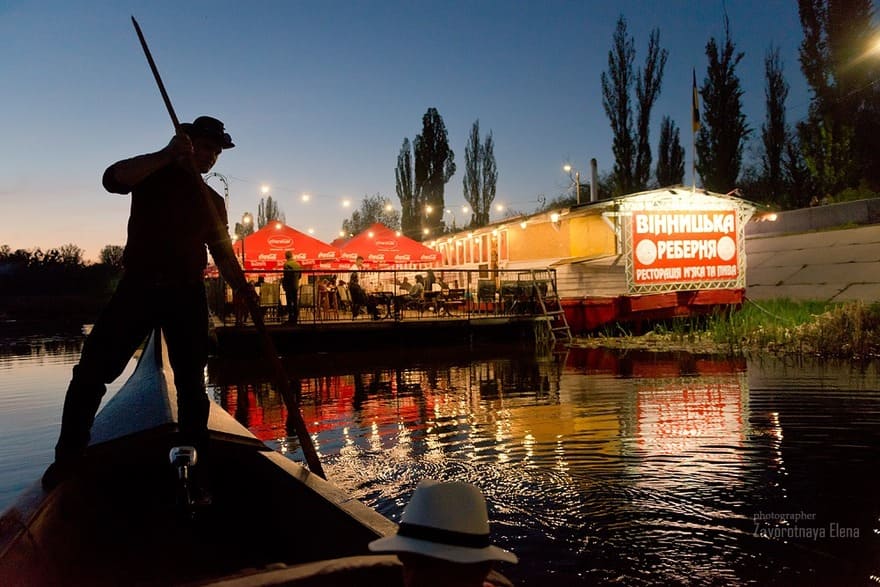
x: 599, y: 468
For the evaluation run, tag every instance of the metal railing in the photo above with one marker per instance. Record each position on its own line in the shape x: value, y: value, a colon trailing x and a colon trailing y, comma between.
x: 327, y: 296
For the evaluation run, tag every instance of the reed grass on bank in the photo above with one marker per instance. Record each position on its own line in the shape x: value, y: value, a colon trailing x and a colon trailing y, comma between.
x: 834, y: 330
x: 780, y: 326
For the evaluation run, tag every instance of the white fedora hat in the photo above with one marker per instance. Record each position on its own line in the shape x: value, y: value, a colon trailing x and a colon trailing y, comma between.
x: 448, y: 521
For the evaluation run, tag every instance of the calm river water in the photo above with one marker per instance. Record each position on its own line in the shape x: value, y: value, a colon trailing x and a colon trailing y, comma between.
x: 599, y: 467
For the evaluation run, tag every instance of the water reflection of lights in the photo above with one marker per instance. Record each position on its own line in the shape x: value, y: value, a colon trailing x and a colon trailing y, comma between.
x: 559, y: 452
x: 375, y: 437
x: 529, y: 446
x: 316, y: 442
x: 348, y: 445
x: 471, y: 412
x: 403, y: 449
x: 403, y: 435
x: 776, y: 448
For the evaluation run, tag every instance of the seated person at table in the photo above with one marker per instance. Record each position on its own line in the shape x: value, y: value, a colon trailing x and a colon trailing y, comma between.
x: 416, y: 292
x: 359, y: 298
x: 405, y: 285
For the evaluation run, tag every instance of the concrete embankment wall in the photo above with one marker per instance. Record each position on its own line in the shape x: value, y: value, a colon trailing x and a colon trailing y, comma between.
x: 805, y: 254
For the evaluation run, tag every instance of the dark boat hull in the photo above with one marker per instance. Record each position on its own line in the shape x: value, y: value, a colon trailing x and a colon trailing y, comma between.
x: 117, y: 522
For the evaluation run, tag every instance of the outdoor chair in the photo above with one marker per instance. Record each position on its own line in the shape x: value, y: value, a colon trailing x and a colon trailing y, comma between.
x: 328, y: 303
x: 270, y: 300
x: 344, y: 298
x: 418, y: 304
x: 486, y: 291
x: 451, y: 299
x: 307, y: 299
x: 430, y: 301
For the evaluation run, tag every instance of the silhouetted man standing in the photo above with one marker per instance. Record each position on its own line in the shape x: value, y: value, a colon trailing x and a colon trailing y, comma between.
x: 163, y: 285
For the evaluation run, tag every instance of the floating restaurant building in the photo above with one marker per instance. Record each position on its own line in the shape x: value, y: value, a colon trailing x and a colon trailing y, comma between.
x: 645, y: 256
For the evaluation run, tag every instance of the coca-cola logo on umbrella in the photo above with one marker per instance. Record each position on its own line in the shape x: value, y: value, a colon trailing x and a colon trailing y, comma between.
x: 280, y: 242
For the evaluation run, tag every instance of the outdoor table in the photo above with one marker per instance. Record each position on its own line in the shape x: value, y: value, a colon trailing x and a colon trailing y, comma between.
x: 384, y: 298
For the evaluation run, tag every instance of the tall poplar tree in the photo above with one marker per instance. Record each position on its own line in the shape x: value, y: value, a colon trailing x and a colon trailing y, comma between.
x: 434, y: 167
x: 723, y: 129
x: 774, y: 131
x: 489, y: 171
x: 267, y: 211
x: 631, y: 148
x: 670, y: 155
x: 403, y: 175
x: 481, y: 175
x: 647, y: 91
x: 616, y: 84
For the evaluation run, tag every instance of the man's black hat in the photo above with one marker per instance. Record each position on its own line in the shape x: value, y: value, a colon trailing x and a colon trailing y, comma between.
x: 208, y: 127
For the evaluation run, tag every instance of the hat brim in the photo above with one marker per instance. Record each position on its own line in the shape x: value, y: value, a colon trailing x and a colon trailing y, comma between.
x: 224, y: 140
x: 457, y: 554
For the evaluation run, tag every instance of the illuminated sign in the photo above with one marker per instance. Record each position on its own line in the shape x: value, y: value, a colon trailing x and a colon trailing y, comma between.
x: 684, y: 247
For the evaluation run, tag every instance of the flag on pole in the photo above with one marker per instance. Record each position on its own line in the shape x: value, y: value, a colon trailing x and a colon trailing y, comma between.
x: 695, y: 107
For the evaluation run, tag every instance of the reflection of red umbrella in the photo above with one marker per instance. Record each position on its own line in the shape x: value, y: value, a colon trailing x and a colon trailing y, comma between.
x: 265, y: 249
x: 382, y: 247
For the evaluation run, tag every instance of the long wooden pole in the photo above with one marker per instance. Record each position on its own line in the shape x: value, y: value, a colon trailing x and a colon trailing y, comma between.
x: 230, y: 264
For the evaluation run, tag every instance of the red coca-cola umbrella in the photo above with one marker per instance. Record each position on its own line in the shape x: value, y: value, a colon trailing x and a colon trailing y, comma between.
x: 264, y: 249
x: 382, y: 247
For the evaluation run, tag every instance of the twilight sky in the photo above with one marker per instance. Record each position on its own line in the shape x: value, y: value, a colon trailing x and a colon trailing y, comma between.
x: 319, y: 95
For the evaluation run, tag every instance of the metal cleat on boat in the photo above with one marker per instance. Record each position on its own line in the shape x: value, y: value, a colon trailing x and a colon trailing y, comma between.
x: 184, y: 458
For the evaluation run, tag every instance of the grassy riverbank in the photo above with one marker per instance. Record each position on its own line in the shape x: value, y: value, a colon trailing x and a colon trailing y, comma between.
x: 823, y: 329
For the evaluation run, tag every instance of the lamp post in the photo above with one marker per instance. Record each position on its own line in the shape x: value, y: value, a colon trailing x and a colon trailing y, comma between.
x: 246, y: 221
x: 577, y: 180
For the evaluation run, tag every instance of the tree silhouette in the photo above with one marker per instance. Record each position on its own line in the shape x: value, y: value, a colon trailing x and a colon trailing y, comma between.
x: 434, y: 167
x: 670, y: 155
x: 723, y: 129
x: 481, y: 175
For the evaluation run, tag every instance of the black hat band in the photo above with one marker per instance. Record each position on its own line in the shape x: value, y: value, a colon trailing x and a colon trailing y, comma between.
x: 440, y: 536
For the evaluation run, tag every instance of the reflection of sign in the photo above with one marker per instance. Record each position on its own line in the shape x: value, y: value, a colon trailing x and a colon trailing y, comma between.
x: 681, y: 418
x: 684, y: 246
x: 280, y: 242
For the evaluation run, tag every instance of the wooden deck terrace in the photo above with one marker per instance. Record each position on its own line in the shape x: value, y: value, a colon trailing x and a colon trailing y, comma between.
x: 326, y: 321
x: 365, y: 333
